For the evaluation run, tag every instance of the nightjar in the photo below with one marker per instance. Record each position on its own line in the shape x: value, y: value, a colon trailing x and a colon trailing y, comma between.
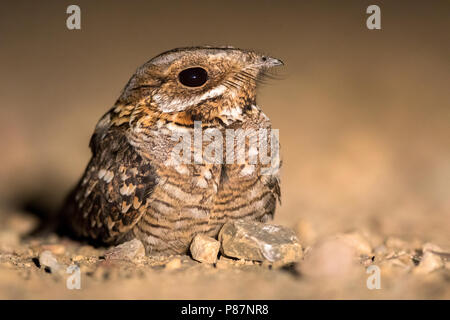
x: 134, y: 186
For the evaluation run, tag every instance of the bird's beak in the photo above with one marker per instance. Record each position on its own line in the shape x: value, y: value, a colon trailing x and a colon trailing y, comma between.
x: 270, y: 62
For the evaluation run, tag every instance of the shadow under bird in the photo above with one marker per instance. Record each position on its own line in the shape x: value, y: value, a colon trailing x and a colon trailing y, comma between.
x: 131, y: 188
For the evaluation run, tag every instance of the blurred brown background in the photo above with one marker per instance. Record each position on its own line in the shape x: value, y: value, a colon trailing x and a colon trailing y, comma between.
x: 363, y: 114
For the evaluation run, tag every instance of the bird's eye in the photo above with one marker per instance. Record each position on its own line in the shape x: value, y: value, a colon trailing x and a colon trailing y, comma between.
x: 193, y: 77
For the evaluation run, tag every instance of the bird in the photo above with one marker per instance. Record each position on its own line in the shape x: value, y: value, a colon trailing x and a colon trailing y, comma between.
x: 132, y: 188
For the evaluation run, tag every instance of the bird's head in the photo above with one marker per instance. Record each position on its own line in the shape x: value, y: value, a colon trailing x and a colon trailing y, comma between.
x: 186, y: 79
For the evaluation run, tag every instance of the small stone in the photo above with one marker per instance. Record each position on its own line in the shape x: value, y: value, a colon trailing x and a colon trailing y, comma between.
x: 224, y: 263
x: 173, y: 264
x: 132, y: 250
x: 430, y: 260
x: 48, y: 260
x: 260, y: 242
x: 205, y: 249
x: 429, y: 263
x: 78, y: 258
x: 397, y: 264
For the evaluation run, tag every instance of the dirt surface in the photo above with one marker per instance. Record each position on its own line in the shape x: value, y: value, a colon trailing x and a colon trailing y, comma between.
x: 364, y: 129
x: 334, y: 267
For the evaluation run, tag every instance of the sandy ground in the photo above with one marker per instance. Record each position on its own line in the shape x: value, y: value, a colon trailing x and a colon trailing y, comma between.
x: 364, y: 129
x: 335, y: 267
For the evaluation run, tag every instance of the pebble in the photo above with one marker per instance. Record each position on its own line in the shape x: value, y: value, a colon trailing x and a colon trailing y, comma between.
x: 224, y: 263
x: 258, y: 241
x: 173, y: 264
x: 398, y: 264
x: 205, y: 249
x: 78, y: 258
x: 47, y: 259
x: 428, y: 264
x: 430, y: 260
x: 132, y: 250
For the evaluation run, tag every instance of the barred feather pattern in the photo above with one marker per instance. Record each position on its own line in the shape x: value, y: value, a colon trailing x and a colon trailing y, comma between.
x: 131, y: 189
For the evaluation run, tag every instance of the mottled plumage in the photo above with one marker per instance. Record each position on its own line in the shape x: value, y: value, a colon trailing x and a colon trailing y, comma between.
x: 131, y: 186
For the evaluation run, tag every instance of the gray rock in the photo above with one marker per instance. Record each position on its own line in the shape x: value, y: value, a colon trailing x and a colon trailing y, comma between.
x: 260, y: 242
x: 132, y: 250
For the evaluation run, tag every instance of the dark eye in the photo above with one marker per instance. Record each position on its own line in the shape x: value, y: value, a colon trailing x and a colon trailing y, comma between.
x: 193, y: 77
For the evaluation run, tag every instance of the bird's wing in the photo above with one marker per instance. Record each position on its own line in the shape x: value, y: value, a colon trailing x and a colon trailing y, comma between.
x: 111, y: 196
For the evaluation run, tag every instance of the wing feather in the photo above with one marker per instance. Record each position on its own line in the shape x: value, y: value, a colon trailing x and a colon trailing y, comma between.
x: 111, y: 196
